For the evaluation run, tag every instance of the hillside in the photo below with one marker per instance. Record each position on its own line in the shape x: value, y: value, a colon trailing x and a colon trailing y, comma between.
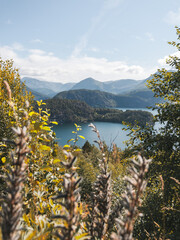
x: 94, y: 98
x: 97, y: 98
x: 37, y: 96
x: 70, y: 111
x: 115, y: 87
x: 49, y: 89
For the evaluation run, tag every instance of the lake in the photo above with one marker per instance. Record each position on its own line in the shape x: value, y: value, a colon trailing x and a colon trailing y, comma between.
x: 109, y: 132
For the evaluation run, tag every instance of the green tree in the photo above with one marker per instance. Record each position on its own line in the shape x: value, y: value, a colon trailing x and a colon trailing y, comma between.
x: 163, y: 146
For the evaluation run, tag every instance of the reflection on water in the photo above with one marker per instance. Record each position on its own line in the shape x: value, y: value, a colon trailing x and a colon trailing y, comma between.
x: 109, y: 132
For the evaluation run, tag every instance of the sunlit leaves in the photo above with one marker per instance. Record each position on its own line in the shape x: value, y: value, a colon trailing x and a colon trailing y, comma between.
x: 81, y: 136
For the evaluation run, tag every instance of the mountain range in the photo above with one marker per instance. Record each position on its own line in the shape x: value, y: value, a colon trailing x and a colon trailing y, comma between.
x: 44, y: 88
x: 115, y: 87
x: 120, y: 93
x: 50, y: 89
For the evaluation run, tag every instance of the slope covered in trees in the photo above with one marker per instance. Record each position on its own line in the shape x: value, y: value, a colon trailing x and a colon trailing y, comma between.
x: 95, y: 98
x: 70, y: 111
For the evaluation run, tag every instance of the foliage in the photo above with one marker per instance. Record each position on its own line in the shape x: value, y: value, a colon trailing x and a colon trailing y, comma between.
x: 163, y: 146
x: 14, y: 180
x: 42, y: 180
x: 132, y: 198
x: 19, y: 96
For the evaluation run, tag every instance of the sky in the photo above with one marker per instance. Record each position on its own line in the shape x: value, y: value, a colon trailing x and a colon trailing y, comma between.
x: 70, y: 40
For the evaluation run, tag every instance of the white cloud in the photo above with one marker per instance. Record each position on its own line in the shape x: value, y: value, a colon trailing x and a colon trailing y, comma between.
x: 18, y: 46
x: 173, y: 17
x: 7, y: 52
x: 94, y: 49
x: 37, y: 40
x: 162, y: 61
x: 150, y: 36
x: 45, y: 66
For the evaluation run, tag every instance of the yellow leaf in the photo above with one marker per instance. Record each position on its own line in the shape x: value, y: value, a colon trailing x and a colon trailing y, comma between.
x: 49, y: 169
x: 44, y: 180
x: 3, y: 159
x: 46, y: 113
x: 46, y: 128
x: 31, y: 235
x: 26, y: 219
x: 45, y: 118
x: 51, y: 202
x: 39, y: 103
x: 81, y: 136
x: 78, y: 150
x: 56, y: 161
x: 81, y: 236
x: 66, y: 146
x: 3, y: 145
x: 33, y: 113
x: 56, y: 123
x: 45, y: 148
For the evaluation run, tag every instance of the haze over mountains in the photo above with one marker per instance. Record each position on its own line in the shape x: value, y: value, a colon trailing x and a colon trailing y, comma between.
x: 120, y: 93
x: 46, y: 89
x: 116, y: 87
x: 50, y: 89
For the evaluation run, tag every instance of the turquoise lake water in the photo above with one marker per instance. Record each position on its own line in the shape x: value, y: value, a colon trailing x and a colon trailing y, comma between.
x: 109, y: 132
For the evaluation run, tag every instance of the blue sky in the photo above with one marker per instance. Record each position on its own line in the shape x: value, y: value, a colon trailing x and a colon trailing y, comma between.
x: 69, y: 40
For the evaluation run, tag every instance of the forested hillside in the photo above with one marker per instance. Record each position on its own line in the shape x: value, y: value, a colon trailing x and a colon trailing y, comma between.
x: 95, y: 98
x: 70, y: 111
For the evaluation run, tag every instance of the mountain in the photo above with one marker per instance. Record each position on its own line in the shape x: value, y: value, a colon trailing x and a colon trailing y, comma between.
x: 128, y: 91
x: 90, y: 84
x: 49, y: 89
x: 116, y: 87
x: 37, y: 96
x: 96, y: 98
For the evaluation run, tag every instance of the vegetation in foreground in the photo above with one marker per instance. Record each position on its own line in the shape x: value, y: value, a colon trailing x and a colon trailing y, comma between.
x: 41, y: 183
